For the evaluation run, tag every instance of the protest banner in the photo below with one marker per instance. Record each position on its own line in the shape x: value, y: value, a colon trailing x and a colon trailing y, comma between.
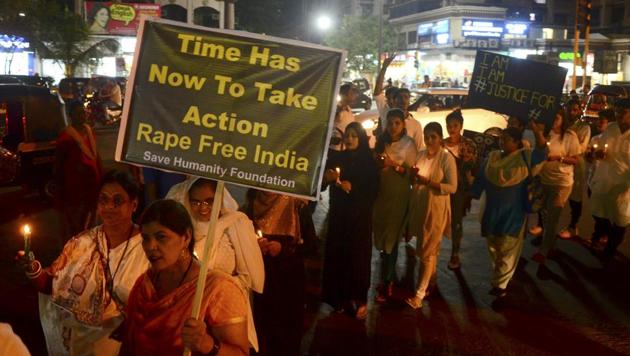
x: 518, y: 87
x: 238, y: 107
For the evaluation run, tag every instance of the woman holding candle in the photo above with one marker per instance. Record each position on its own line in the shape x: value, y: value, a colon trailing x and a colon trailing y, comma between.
x: 610, y: 199
x: 504, y: 178
x: 396, y: 154
x: 464, y: 151
x: 285, y: 230
x: 160, y: 303
x: 353, y: 178
x: 234, y: 249
x: 593, y: 156
x: 556, y: 176
x: 84, y: 291
x: 430, y: 206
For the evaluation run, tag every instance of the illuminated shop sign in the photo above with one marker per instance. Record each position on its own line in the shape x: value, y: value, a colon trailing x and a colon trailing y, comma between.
x: 568, y: 56
x: 482, y: 28
x: 516, y: 28
x: 13, y: 42
x: 441, y: 26
x: 429, y: 28
x: 441, y: 38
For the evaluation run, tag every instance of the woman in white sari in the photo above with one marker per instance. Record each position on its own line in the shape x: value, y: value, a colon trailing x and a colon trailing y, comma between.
x: 234, y: 249
x: 84, y: 291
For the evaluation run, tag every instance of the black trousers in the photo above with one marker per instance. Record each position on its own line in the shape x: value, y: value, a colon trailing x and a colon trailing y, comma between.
x: 604, y: 227
x: 279, y: 311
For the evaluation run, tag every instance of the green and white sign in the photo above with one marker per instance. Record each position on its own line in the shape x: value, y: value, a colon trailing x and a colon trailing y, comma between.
x: 229, y: 105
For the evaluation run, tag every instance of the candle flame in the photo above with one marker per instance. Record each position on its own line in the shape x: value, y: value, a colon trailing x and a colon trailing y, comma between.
x: 26, y: 229
x: 606, y: 146
x: 338, y: 170
x: 595, y: 146
x: 259, y: 233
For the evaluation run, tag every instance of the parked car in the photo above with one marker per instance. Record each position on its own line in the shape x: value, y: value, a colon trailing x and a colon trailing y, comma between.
x: 35, y: 80
x: 435, y: 104
x: 602, y: 97
x: 34, y: 117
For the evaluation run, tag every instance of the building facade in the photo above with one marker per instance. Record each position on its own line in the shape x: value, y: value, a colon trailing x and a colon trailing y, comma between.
x: 439, y: 38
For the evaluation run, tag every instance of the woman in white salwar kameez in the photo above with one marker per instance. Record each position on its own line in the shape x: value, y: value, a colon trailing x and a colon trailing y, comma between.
x: 610, y: 199
x: 430, y: 205
x: 84, y: 291
x: 235, y: 248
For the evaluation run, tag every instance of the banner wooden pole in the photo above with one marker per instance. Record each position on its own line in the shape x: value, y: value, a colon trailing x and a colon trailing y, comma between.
x: 205, y: 260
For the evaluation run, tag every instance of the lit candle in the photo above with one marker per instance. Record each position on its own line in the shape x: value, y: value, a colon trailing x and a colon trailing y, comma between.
x: 338, y: 170
x: 605, y: 147
x: 26, y: 231
x: 548, y: 143
x: 595, y: 146
x: 259, y: 233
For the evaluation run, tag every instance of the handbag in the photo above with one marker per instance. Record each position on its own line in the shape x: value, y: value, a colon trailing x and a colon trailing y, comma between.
x: 535, y: 195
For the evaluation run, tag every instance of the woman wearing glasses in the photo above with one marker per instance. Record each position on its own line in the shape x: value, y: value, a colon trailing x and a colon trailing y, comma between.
x: 84, y: 291
x: 234, y: 248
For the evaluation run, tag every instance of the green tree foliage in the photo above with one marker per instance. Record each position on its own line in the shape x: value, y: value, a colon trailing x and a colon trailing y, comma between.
x: 359, y: 36
x: 54, y: 32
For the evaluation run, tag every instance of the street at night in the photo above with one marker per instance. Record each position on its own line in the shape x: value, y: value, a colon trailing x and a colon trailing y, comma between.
x: 573, y: 306
x: 314, y: 177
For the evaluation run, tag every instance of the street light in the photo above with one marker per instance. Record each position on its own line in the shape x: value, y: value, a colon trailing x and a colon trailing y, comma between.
x: 323, y: 22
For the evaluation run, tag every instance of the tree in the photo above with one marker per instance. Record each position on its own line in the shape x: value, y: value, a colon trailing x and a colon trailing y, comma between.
x: 55, y: 33
x: 359, y: 36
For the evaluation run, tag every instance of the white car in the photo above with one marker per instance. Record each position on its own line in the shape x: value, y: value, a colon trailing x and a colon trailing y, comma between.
x: 435, y: 108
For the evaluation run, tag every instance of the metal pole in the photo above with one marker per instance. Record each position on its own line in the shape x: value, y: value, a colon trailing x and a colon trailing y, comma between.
x: 585, y: 57
x: 380, y: 34
x: 576, y: 45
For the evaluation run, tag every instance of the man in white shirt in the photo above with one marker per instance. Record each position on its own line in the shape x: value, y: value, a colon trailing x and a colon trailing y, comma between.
x: 343, y: 116
x: 413, y: 127
x: 610, y: 184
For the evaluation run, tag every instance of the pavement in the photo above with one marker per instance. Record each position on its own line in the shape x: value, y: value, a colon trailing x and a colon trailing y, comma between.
x: 573, y: 306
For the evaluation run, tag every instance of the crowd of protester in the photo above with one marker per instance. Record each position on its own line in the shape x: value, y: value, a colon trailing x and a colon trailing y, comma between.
x: 125, y: 288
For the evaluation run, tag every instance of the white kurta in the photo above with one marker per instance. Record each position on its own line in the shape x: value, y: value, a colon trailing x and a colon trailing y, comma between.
x: 429, y: 209
x: 414, y: 130
x: 610, y: 184
x: 86, y: 340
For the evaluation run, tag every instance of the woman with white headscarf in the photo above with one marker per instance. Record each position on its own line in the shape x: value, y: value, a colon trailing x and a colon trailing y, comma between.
x: 234, y: 248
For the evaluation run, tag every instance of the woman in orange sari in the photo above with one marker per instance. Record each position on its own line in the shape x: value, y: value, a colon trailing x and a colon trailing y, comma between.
x: 159, y: 307
x: 78, y: 172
